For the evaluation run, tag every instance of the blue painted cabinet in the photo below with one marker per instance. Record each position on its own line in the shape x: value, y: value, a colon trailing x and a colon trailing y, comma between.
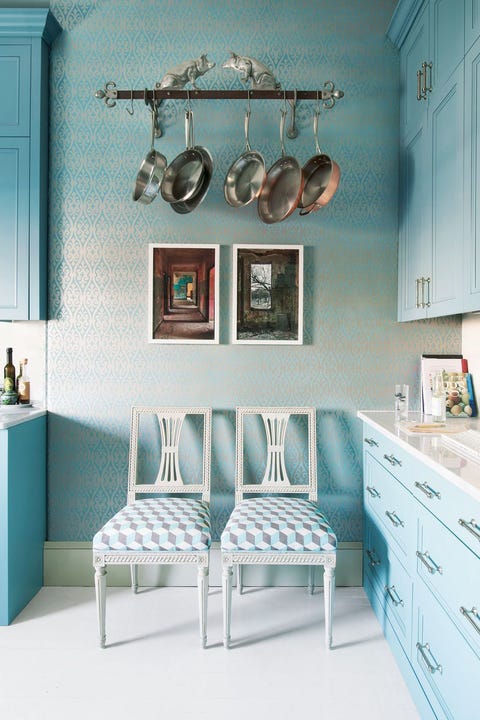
x: 22, y: 514
x: 431, y: 160
x: 472, y: 179
x: 25, y: 36
x: 422, y: 574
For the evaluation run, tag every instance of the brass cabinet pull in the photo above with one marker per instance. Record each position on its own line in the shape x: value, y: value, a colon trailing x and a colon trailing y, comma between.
x: 428, y: 303
x: 394, y: 519
x: 371, y: 442
x: 419, y: 85
x: 432, y: 668
x: 472, y: 620
x: 429, y: 563
x: 427, y: 490
x: 427, y: 66
x: 373, y: 560
x: 372, y: 491
x: 417, y: 292
x: 393, y: 595
x: 471, y: 526
x: 392, y: 460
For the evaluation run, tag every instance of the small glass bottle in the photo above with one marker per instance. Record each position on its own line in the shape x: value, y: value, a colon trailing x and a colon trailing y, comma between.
x: 9, y: 373
x: 439, y: 408
x: 23, y: 384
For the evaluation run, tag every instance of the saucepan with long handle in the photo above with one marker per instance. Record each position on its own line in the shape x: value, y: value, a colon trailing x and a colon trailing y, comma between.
x: 246, y: 177
x: 184, y: 175
x: 186, y: 206
x: 322, y: 176
x: 151, y: 172
x: 283, y: 187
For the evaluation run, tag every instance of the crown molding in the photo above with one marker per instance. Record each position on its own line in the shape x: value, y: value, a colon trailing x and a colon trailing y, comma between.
x: 29, y: 22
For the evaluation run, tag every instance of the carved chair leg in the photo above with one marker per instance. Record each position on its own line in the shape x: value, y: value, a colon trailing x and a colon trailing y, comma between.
x: 311, y: 579
x: 329, y: 590
x: 239, y: 579
x: 134, y: 577
x: 227, y: 603
x: 100, y: 592
x: 203, y: 602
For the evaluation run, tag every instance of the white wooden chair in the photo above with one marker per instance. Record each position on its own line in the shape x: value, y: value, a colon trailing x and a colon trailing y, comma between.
x: 279, y: 528
x: 165, y: 527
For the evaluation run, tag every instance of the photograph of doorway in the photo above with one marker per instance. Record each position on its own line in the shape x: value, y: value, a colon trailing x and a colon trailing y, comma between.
x: 183, y: 293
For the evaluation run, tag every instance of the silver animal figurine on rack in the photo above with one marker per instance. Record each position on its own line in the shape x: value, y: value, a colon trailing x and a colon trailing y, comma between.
x: 186, y: 72
x: 252, y: 70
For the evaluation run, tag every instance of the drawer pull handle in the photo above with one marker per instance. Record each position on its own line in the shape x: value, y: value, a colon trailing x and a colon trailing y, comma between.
x: 393, y: 595
x: 471, y: 526
x: 371, y: 442
x: 373, y: 560
x: 392, y: 459
x: 373, y: 491
x: 427, y: 490
x: 475, y: 620
x: 394, y: 519
x: 432, y: 668
x: 429, y: 563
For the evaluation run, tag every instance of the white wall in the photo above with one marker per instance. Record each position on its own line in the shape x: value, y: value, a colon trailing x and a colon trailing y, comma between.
x: 28, y: 340
x: 471, y: 346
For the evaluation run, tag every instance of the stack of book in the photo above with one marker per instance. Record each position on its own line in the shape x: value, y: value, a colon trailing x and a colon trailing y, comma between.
x: 457, y: 381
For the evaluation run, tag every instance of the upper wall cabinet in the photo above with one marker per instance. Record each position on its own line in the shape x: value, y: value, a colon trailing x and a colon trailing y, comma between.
x: 25, y: 39
x: 434, y: 226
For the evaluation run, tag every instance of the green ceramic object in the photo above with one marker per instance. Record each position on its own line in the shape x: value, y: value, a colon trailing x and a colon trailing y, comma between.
x: 9, y: 398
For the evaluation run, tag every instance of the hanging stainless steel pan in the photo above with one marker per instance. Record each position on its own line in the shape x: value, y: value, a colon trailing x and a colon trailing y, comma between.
x: 246, y: 177
x: 322, y: 176
x: 185, y: 206
x: 184, y: 175
x: 151, y: 172
x: 284, y: 185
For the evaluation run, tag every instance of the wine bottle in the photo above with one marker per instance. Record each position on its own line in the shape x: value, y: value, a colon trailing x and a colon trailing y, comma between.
x: 9, y: 373
x: 23, y: 384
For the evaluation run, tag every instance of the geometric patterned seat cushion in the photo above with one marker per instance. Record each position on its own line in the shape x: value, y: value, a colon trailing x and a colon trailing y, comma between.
x: 278, y: 523
x: 157, y: 524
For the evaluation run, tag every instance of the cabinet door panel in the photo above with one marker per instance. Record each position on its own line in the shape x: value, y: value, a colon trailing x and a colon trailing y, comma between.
x: 15, y: 84
x: 472, y: 22
x: 414, y: 236
x: 413, y: 53
x: 472, y: 179
x: 445, y: 664
x: 446, y: 38
x: 446, y: 143
x: 14, y: 227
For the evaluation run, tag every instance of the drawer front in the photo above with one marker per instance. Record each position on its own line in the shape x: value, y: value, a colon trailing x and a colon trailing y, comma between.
x: 390, y: 505
x: 452, y: 573
x: 391, y: 582
x: 444, y: 662
x: 456, y: 509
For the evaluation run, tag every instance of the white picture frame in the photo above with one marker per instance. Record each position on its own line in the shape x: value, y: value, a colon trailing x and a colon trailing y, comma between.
x: 267, y: 295
x: 183, y: 293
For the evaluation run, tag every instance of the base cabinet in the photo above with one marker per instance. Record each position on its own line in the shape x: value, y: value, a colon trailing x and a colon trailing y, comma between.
x: 22, y: 514
x: 422, y: 575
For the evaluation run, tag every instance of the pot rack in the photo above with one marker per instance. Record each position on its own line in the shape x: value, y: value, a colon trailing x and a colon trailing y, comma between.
x: 327, y: 96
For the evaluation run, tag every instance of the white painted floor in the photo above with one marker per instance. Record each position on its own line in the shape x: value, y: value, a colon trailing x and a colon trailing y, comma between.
x: 51, y: 667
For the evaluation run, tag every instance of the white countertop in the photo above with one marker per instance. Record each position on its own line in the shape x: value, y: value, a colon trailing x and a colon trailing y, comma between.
x: 429, y: 447
x: 17, y: 415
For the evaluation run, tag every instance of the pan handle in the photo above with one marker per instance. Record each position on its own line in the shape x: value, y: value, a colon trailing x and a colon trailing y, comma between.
x: 282, y: 129
x: 247, y: 127
x: 315, y: 130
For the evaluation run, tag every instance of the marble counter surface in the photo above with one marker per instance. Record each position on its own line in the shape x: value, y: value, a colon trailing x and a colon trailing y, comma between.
x: 16, y: 415
x: 429, y: 448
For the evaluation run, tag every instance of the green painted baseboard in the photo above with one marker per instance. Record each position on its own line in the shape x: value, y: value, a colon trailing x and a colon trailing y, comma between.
x: 69, y: 564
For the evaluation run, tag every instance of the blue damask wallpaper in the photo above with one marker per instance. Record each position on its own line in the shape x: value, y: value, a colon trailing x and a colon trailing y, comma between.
x: 99, y: 361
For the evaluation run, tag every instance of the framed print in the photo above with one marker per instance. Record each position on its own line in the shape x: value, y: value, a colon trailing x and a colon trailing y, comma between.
x: 183, y: 293
x: 267, y: 294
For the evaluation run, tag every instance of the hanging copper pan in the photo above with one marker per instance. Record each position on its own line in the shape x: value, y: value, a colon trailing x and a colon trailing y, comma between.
x: 283, y: 187
x: 322, y: 176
